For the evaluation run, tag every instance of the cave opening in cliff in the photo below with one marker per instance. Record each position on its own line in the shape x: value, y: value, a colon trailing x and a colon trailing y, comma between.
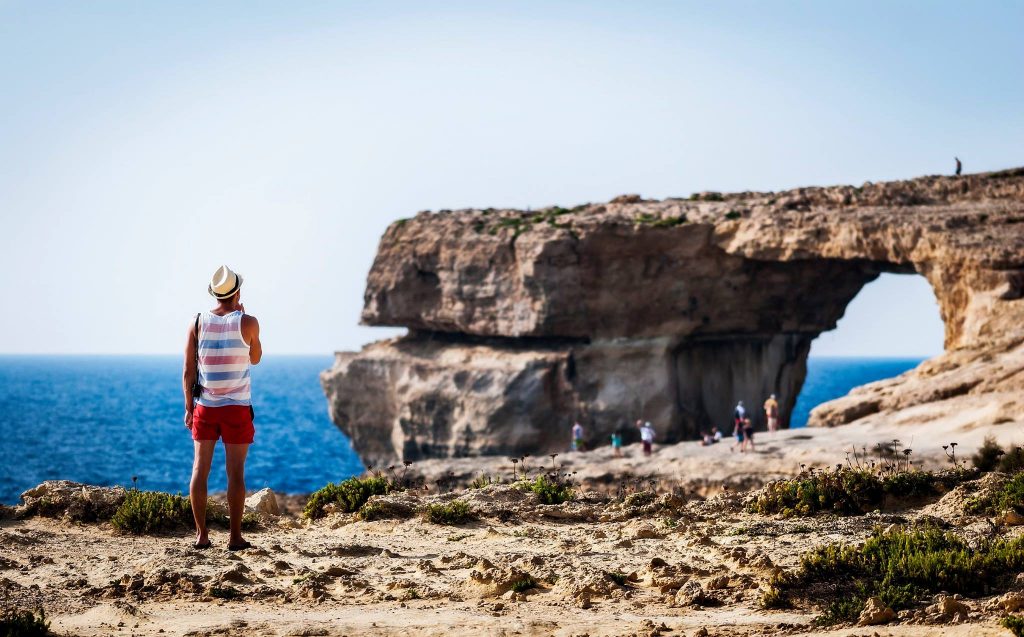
x: 891, y: 326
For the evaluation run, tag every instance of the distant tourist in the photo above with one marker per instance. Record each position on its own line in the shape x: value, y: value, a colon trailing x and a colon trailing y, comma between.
x: 737, y: 432
x: 222, y: 344
x: 647, y: 437
x: 959, y: 166
x: 771, y: 413
x: 739, y: 413
x: 706, y: 440
x: 577, y: 437
x: 617, y: 443
x: 748, y: 434
x: 716, y: 434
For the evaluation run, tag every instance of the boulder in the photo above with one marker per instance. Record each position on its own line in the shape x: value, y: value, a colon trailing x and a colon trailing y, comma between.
x: 875, y: 613
x: 71, y: 500
x: 263, y: 502
x: 1010, y: 517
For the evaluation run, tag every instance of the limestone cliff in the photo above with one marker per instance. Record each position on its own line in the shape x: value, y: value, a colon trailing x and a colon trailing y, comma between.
x: 520, y: 322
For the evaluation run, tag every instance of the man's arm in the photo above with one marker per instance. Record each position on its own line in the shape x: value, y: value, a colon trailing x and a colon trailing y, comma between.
x: 188, y: 376
x: 251, y: 332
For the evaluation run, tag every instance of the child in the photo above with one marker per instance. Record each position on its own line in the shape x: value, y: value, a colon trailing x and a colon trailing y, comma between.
x: 737, y: 430
x: 617, y: 444
x: 748, y: 433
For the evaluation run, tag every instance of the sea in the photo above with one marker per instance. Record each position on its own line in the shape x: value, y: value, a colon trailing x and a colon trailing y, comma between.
x: 117, y: 420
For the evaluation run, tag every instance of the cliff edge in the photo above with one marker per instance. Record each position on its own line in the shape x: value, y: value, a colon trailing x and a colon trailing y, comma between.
x: 670, y: 311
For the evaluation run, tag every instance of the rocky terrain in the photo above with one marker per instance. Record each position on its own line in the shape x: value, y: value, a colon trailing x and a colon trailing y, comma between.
x: 522, y: 321
x: 638, y: 563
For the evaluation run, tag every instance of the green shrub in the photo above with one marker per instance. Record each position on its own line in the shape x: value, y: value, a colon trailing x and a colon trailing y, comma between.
x: 901, y: 567
x: 16, y: 623
x: 550, y: 490
x: 733, y: 214
x: 524, y: 584
x: 1012, y: 461
x: 449, y: 513
x: 349, y: 496
x: 617, y: 577
x: 988, y: 455
x: 224, y: 592
x: 774, y: 599
x: 1008, y: 496
x: 850, y: 491
x: 1014, y: 624
x: 648, y: 219
x: 152, y: 512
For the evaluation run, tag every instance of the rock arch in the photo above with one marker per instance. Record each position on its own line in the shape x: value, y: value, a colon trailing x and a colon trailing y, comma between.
x: 665, y: 310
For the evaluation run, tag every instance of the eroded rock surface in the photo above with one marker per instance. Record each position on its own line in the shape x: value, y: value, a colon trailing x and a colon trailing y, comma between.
x: 520, y: 322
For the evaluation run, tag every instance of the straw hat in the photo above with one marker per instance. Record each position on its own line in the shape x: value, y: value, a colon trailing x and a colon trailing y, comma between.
x: 224, y: 283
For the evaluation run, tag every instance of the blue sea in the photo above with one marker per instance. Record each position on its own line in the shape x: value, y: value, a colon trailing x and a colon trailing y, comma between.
x: 104, y: 419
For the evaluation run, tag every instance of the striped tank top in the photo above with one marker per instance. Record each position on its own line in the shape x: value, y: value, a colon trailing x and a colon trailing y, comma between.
x: 223, y: 361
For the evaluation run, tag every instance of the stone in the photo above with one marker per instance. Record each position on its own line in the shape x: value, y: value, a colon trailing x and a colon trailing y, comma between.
x: 520, y: 321
x: 71, y: 500
x: 263, y: 502
x: 875, y: 613
x: 948, y: 608
x: 1010, y: 517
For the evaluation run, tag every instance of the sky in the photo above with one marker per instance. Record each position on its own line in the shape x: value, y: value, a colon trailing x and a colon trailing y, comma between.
x: 143, y: 144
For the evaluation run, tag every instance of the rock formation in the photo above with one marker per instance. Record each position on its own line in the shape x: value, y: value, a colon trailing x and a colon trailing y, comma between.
x: 520, y: 322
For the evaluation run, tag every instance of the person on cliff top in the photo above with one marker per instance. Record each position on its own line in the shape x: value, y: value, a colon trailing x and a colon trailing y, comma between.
x: 617, y: 443
x: 739, y: 413
x: 737, y: 432
x: 577, y: 437
x: 222, y: 344
x: 647, y: 437
x: 771, y: 413
x: 748, y: 434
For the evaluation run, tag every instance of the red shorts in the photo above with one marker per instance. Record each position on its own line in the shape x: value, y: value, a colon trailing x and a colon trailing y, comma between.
x: 233, y: 423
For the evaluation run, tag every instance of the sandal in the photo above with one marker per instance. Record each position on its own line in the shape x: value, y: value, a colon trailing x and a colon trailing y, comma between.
x: 200, y: 547
x: 239, y: 547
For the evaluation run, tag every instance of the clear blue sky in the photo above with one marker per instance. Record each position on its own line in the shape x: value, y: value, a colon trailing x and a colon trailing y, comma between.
x: 144, y: 143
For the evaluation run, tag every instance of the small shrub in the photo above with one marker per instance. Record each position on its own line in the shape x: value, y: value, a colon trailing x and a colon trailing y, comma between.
x: 617, y: 577
x: 152, y: 512
x: 774, y: 599
x: 987, y: 458
x: 225, y: 592
x: 448, y: 513
x: 1009, y: 496
x: 648, y: 219
x: 524, y: 584
x: 550, y: 490
x: 349, y: 496
x: 17, y: 623
x: 1012, y: 461
x: 733, y: 214
x: 1014, y: 624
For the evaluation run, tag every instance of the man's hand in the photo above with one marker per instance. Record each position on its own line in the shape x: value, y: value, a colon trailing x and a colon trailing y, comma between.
x: 188, y: 420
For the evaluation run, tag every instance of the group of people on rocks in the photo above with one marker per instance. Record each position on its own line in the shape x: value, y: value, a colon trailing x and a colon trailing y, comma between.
x: 743, y: 431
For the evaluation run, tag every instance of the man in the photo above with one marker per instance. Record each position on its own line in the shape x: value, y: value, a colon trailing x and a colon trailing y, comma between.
x: 647, y: 437
x: 959, y: 166
x: 771, y: 413
x: 222, y: 344
x: 739, y: 414
x: 577, y: 437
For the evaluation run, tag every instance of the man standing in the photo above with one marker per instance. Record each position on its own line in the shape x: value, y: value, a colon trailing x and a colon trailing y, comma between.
x: 647, y: 437
x: 577, y: 437
x: 771, y: 413
x: 222, y: 344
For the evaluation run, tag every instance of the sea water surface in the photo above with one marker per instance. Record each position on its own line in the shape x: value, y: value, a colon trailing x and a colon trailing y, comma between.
x: 103, y: 419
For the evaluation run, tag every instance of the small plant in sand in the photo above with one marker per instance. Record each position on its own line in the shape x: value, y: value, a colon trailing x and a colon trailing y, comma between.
x: 617, y: 577
x: 348, y: 496
x: 152, y: 512
x: 448, y: 513
x: 18, y: 623
x: 900, y: 567
x: 524, y: 584
x: 551, y: 487
x: 1009, y: 496
x: 1014, y: 624
x: 483, y: 480
x: 224, y: 592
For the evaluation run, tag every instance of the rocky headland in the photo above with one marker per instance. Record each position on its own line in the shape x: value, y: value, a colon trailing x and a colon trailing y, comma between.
x: 521, y: 321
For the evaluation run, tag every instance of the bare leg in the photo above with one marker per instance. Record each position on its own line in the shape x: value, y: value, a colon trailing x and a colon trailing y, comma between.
x: 235, y: 459
x: 197, y: 487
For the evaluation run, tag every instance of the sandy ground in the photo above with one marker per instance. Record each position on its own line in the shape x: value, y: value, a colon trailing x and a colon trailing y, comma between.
x: 341, y: 576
